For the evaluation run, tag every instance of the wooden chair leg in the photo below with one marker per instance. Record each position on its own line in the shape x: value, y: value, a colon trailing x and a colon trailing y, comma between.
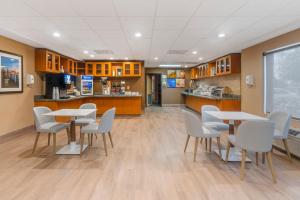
x: 92, y: 139
x: 243, y: 164
x: 227, y: 151
x: 104, y: 142
x: 201, y: 140
x: 69, y: 135
x: 186, y: 143
x: 35, y: 141
x: 81, y: 143
x: 111, y: 142
x: 256, y: 156
x: 287, y: 149
x: 263, y: 158
x: 54, y: 143
x: 270, y: 163
x: 49, y: 138
x: 89, y: 140
x: 206, y: 144
x: 209, y: 147
x: 196, y: 147
x: 219, y: 147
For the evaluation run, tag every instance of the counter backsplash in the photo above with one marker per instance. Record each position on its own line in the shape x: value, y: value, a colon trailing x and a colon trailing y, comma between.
x: 231, y: 81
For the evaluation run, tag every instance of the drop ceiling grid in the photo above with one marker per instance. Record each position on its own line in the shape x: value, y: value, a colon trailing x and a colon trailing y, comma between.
x: 191, y: 25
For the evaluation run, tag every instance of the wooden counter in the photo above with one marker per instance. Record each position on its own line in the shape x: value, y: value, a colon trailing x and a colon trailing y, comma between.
x: 195, y: 103
x: 128, y: 105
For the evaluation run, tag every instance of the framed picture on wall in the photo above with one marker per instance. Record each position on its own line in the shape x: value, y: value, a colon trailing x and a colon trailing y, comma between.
x: 11, y: 72
x: 171, y: 73
x: 180, y: 83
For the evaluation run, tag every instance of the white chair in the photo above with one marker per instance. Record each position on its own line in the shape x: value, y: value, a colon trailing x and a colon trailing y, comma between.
x: 194, y: 128
x: 82, y: 121
x: 255, y: 136
x: 210, y: 121
x: 47, y: 124
x: 282, y: 122
x: 105, y: 126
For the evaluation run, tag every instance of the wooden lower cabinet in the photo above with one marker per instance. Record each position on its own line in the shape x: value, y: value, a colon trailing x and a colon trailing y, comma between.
x: 195, y: 103
x: 123, y: 105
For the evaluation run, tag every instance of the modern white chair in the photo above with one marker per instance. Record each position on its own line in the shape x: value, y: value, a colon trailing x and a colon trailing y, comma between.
x: 194, y: 128
x: 81, y: 121
x: 255, y: 136
x: 282, y: 122
x: 105, y: 126
x: 210, y: 121
x: 47, y: 124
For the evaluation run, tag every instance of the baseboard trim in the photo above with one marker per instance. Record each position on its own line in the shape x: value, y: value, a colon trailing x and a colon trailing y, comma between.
x: 172, y: 105
x: 16, y: 133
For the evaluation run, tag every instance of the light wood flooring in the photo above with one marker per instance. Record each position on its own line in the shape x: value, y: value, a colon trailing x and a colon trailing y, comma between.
x: 147, y: 162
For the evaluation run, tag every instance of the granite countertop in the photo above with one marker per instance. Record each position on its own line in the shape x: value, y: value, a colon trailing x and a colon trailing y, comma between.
x: 229, y: 97
x: 42, y: 98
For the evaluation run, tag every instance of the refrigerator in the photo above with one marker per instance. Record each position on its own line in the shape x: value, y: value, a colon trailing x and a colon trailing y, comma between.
x: 86, y: 85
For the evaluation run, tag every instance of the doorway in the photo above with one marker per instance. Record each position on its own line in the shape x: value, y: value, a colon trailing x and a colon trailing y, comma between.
x: 154, y: 89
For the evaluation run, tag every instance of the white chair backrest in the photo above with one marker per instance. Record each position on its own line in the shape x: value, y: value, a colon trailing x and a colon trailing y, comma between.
x: 39, y: 118
x: 193, y: 124
x: 106, y: 121
x: 206, y: 117
x: 282, y: 122
x: 256, y: 136
x: 89, y: 106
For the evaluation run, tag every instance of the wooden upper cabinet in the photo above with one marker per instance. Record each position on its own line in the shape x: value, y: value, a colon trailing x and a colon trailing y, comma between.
x: 137, y: 69
x: 89, y: 68
x: 230, y: 64
x: 98, y: 69
x: 127, y: 69
x: 47, y: 61
x: 107, y: 69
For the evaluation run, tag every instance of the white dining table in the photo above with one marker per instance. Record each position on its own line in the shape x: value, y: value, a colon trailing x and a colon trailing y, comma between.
x: 73, y: 148
x: 232, y: 117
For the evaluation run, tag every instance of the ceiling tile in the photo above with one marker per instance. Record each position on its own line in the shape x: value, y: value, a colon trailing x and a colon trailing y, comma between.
x: 170, y: 23
x: 204, y: 23
x: 219, y: 8
x: 177, y: 7
x: 103, y: 23
x: 16, y: 8
x: 69, y: 22
x: 57, y: 8
x: 234, y: 25
x: 131, y: 8
x: 131, y: 25
x: 260, y: 8
x: 101, y: 8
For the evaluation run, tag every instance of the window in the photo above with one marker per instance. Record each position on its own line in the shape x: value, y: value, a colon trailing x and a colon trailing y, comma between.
x: 282, y: 80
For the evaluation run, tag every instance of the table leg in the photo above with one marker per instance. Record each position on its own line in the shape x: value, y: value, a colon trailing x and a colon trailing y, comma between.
x: 72, y: 148
x: 73, y: 131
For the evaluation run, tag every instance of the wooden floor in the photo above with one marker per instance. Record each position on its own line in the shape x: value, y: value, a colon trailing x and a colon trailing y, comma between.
x: 147, y: 163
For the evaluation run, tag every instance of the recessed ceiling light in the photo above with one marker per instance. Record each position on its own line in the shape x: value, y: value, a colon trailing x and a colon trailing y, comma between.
x: 170, y: 65
x: 126, y: 58
x: 138, y: 35
x: 185, y: 66
x: 155, y: 58
x: 111, y: 58
x: 221, y: 35
x: 200, y: 58
x: 92, y: 56
x: 85, y: 51
x: 194, y: 52
x: 56, y: 34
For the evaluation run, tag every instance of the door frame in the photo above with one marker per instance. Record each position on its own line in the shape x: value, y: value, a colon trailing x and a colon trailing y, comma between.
x: 161, y: 88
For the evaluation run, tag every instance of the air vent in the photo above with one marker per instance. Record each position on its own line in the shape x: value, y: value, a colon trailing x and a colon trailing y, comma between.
x: 103, y: 52
x: 177, y: 52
